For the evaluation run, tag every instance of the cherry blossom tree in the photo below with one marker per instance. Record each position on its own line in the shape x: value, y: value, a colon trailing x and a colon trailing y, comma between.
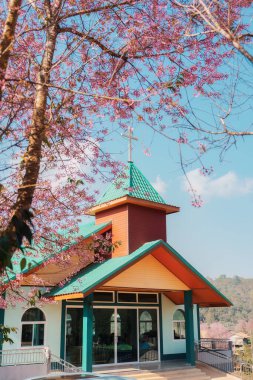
x: 222, y: 19
x: 215, y: 330
x: 7, y: 38
x: 72, y: 71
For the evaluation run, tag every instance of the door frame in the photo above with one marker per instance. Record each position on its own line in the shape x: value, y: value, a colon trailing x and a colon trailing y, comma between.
x: 114, y: 309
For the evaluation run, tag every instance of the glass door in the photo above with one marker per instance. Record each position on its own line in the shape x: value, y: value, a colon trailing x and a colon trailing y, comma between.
x: 126, y: 335
x: 103, y: 335
x: 148, y: 335
x: 120, y: 335
x: 74, y: 336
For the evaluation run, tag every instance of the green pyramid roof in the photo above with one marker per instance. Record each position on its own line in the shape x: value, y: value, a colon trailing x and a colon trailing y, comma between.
x: 133, y: 184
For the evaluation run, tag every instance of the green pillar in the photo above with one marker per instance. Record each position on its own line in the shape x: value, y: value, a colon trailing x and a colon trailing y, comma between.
x: 161, y: 326
x: 189, y: 329
x: 63, y: 329
x: 87, y: 334
x: 1, y: 323
x: 198, y: 322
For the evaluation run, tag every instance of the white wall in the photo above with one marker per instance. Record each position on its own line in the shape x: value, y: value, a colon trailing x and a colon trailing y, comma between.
x: 171, y: 345
x: 12, y: 318
x: 22, y: 372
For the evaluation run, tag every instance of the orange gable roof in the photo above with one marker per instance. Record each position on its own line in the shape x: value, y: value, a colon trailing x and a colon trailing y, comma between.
x: 101, y: 275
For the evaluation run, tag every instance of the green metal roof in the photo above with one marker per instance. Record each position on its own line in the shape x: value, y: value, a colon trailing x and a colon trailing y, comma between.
x: 133, y: 184
x: 36, y: 258
x: 87, y: 230
x: 95, y: 274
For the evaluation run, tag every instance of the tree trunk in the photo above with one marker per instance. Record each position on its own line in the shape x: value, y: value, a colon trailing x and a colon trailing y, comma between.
x: 11, y: 237
x: 7, y: 39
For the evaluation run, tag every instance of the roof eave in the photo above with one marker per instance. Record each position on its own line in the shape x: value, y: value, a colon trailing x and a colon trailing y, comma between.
x: 42, y: 263
x: 168, y: 209
x: 221, y: 300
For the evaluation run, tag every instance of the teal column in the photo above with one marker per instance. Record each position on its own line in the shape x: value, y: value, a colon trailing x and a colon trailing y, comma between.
x: 87, y: 334
x: 63, y: 330
x: 1, y: 323
x: 189, y: 329
x: 198, y: 322
x: 161, y: 326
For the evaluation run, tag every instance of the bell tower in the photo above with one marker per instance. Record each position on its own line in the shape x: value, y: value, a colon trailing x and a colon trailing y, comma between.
x: 135, y: 209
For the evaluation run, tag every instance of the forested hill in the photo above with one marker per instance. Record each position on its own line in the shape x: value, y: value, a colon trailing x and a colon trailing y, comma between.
x: 240, y: 292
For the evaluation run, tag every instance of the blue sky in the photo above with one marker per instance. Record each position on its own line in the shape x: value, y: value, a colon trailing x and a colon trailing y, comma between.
x: 218, y: 237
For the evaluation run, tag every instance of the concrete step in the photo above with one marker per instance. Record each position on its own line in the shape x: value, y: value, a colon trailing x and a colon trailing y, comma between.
x: 180, y: 374
x: 146, y: 372
x: 200, y: 376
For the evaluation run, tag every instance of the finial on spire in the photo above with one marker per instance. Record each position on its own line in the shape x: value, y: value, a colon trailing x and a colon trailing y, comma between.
x: 130, y: 137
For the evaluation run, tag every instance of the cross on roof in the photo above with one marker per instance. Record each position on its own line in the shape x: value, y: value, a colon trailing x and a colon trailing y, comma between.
x: 129, y: 135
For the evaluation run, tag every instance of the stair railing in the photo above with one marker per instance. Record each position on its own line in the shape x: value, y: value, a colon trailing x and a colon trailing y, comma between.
x: 214, y: 358
x: 60, y: 365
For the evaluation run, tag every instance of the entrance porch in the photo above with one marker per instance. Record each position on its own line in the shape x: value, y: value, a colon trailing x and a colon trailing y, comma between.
x: 120, y: 335
x: 115, y: 328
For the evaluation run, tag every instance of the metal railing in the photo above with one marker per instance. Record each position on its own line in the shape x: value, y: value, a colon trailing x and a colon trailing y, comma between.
x: 24, y: 356
x: 59, y: 365
x: 216, y: 344
x: 219, y: 357
x: 27, y: 356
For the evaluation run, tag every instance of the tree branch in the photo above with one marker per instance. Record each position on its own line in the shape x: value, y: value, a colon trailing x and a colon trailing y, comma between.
x: 98, y: 9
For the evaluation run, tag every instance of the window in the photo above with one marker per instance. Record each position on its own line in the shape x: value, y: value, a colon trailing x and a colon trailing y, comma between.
x: 179, y: 324
x: 33, y: 327
x: 127, y: 297
x: 145, y: 322
x: 103, y: 296
x: 112, y: 321
x: 147, y: 298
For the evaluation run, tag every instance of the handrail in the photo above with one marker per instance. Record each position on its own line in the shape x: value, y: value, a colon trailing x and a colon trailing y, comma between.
x: 215, y: 353
x: 216, y: 344
x: 61, y: 365
x: 24, y: 356
x: 214, y: 358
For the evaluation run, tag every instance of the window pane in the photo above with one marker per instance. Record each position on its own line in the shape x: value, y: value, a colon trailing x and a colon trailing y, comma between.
x: 103, y: 340
x: 127, y: 297
x: 149, y: 298
x: 118, y: 324
x: 179, y: 330
x: 178, y: 315
x: 103, y: 296
x: 38, y: 335
x: 33, y: 315
x: 74, y: 335
x: 27, y: 334
x: 148, y: 338
x: 145, y: 316
x: 182, y: 330
x: 176, y: 330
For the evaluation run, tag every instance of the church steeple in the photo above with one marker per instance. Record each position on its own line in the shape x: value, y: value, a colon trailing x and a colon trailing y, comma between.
x: 136, y: 210
x: 132, y: 184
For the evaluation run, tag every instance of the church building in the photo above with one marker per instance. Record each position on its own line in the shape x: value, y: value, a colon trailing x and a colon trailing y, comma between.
x: 140, y: 305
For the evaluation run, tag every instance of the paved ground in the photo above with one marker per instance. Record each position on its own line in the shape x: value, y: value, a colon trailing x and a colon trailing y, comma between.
x: 171, y: 365
x: 214, y: 373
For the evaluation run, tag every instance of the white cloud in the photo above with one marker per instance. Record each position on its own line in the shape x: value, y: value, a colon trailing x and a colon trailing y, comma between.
x: 160, y: 185
x: 228, y: 185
